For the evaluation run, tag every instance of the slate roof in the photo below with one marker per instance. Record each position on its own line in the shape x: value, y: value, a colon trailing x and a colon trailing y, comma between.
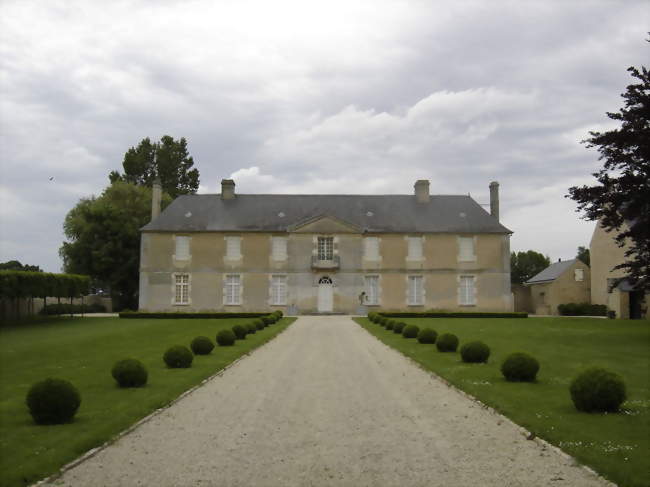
x: 282, y: 212
x: 552, y: 272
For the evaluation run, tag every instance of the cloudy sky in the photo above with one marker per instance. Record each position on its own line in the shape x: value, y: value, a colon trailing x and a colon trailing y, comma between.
x: 313, y: 97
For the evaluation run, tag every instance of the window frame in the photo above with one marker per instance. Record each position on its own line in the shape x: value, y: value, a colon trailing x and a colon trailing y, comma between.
x: 377, y: 294
x: 273, y: 290
x: 325, y: 250
x: 188, y: 240
x: 229, y: 239
x: 276, y: 255
x: 462, y: 257
x: 371, y: 243
x: 414, y: 242
x: 238, y: 296
x: 419, y: 296
x: 464, y: 292
x: 187, y: 286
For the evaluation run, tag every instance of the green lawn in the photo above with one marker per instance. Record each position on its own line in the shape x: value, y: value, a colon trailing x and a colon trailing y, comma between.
x: 615, y: 445
x: 83, y: 350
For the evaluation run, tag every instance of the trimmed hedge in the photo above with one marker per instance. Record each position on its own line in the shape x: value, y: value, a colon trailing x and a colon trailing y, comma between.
x: 21, y: 284
x: 398, y: 327
x: 53, y: 401
x: 202, y: 345
x: 447, y: 342
x: 178, y: 357
x: 240, y: 332
x: 250, y: 328
x: 390, y: 324
x: 520, y: 367
x: 451, y: 314
x: 260, y: 324
x: 68, y: 309
x: 598, y: 390
x: 226, y: 338
x: 475, y: 352
x: 582, y: 309
x: 411, y: 331
x: 427, y: 335
x: 185, y: 315
x: 129, y: 373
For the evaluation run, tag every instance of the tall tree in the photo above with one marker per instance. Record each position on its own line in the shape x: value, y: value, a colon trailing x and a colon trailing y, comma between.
x: 621, y: 198
x: 104, y: 238
x: 524, y: 265
x: 168, y: 159
x: 583, y: 255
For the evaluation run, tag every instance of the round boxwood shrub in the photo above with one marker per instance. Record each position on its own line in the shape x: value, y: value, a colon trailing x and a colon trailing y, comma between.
x: 383, y: 321
x: 390, y: 324
x: 250, y: 327
x: 278, y: 313
x: 129, y: 373
x: 598, y: 390
x: 427, y: 335
x: 201, y: 345
x: 259, y: 324
x: 475, y: 352
x: 53, y: 401
x: 178, y: 357
x: 398, y: 327
x: 226, y: 338
x: 410, y: 331
x: 267, y: 320
x: 447, y: 342
x: 240, y: 332
x: 520, y: 367
x: 371, y: 316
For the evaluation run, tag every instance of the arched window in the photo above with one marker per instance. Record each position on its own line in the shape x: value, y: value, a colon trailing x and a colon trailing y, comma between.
x: 324, y: 280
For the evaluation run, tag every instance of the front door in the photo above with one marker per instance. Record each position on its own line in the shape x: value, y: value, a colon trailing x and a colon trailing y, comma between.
x: 325, y: 295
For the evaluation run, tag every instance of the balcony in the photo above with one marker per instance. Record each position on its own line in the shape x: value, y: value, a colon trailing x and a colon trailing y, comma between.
x: 325, y: 265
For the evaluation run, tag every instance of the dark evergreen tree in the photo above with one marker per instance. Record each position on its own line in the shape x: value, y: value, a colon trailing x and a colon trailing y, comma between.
x: 583, y: 255
x: 621, y: 198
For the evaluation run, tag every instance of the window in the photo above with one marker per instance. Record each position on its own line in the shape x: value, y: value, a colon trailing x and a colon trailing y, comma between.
x: 579, y: 274
x: 182, y: 250
x: 232, y: 294
x: 325, y: 248
x: 466, y: 253
x: 372, y: 290
x: 466, y: 290
x: 279, y: 248
x: 415, y: 291
x: 415, y: 248
x: 278, y: 290
x: 233, y: 247
x: 371, y: 248
x: 181, y: 289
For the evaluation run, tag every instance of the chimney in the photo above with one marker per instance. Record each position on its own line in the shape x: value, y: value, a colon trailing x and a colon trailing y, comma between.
x: 227, y: 189
x: 156, y: 197
x: 494, y: 199
x: 422, y: 190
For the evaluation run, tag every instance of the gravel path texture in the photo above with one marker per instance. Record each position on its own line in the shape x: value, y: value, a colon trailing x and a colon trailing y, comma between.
x: 325, y: 403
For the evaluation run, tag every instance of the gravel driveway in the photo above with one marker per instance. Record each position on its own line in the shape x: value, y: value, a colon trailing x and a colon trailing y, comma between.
x: 325, y: 403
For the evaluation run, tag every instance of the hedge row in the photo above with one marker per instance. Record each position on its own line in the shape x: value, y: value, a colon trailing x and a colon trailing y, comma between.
x: 451, y: 314
x: 183, y: 315
x: 67, y: 309
x: 21, y: 284
x: 582, y: 309
x: 595, y: 390
x: 56, y: 401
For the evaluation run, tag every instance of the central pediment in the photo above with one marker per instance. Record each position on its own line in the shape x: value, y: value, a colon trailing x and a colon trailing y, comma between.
x: 324, y: 224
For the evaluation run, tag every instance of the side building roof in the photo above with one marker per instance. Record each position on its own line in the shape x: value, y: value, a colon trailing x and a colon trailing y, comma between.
x: 552, y: 272
x: 282, y: 212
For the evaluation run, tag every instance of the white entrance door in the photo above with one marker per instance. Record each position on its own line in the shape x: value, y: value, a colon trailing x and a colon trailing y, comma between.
x: 325, y: 295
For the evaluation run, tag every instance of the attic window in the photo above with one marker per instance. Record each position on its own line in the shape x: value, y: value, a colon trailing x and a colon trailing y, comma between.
x: 188, y: 214
x: 370, y: 213
x: 579, y: 275
x: 281, y: 214
x: 462, y: 215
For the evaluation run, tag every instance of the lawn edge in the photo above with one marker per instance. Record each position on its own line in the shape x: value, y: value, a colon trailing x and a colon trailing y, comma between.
x: 524, y: 432
x: 94, y: 451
